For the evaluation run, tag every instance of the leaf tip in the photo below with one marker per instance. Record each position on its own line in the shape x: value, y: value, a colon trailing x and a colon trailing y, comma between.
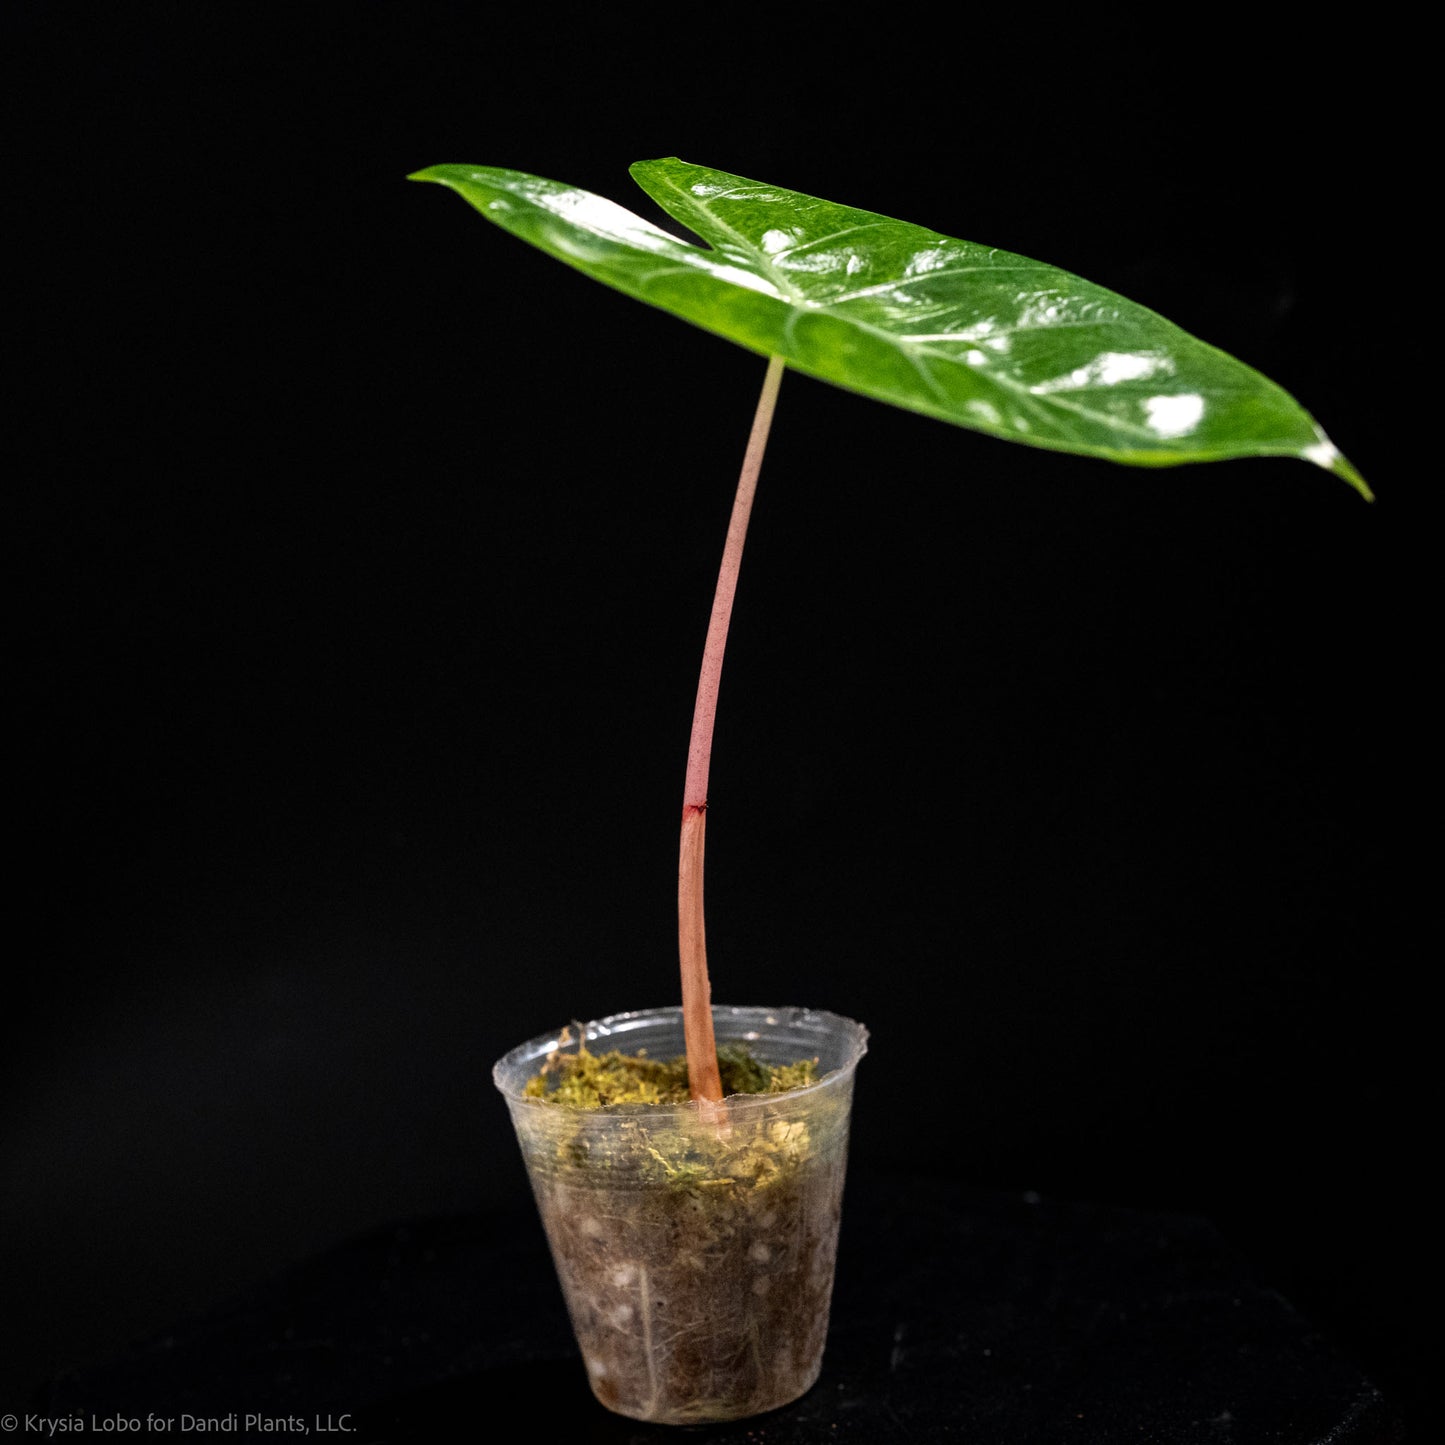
x: 1324, y: 453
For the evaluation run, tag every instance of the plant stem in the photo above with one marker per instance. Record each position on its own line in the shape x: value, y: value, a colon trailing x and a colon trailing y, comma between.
x: 702, y: 1069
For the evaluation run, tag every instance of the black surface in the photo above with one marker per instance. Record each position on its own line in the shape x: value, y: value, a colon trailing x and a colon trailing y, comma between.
x: 957, y: 1315
x: 361, y: 557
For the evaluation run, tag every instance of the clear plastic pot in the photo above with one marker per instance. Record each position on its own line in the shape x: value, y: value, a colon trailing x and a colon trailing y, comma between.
x: 695, y: 1248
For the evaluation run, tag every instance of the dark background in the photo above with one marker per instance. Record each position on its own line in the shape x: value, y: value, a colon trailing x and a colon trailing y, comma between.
x: 363, y: 558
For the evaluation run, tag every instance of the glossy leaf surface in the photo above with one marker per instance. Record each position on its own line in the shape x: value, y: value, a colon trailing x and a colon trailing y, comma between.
x: 972, y: 335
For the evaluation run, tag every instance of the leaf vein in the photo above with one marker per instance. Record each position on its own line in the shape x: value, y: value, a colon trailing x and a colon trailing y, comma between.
x: 832, y: 236
x: 899, y: 283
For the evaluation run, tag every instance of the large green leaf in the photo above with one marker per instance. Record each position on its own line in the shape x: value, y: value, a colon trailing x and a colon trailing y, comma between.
x: 972, y: 335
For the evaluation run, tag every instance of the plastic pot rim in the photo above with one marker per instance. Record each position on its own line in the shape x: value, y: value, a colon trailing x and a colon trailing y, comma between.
x: 510, y: 1078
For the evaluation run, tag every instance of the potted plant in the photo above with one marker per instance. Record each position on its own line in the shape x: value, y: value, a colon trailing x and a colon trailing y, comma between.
x: 691, y: 1191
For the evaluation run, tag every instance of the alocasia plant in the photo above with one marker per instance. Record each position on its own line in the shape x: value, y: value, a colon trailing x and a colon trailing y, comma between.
x: 959, y: 331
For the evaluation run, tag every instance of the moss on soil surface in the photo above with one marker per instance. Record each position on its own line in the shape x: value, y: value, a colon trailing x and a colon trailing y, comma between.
x: 585, y: 1080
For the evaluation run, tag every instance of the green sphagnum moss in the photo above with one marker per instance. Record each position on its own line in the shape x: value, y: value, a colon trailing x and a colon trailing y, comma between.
x: 584, y: 1080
